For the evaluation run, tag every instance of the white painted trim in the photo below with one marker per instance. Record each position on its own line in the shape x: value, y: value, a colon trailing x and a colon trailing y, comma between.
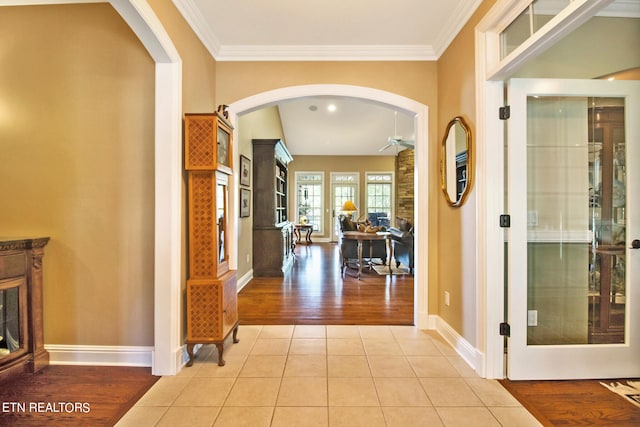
x: 421, y: 177
x: 168, y: 179
x: 100, y: 355
x: 326, y: 53
x: 244, y: 280
x: 168, y: 218
x: 468, y: 352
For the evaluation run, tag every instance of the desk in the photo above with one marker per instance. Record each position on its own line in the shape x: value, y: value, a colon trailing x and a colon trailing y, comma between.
x: 360, y: 237
x: 307, y: 227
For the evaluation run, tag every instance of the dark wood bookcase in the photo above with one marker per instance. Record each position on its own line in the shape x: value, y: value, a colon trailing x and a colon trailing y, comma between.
x: 272, y: 230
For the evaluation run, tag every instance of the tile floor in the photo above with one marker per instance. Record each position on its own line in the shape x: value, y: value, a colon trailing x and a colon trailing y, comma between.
x: 329, y: 376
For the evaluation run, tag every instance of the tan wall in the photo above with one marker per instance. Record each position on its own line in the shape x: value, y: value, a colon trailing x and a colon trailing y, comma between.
x: 415, y: 80
x: 77, y: 165
x: 457, y: 226
x: 328, y: 164
x: 264, y: 123
x: 77, y: 155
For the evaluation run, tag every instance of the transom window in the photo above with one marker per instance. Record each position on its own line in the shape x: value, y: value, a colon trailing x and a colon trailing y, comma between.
x: 525, y: 25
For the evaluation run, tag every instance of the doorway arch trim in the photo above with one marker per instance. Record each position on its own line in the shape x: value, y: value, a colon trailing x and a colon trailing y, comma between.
x: 420, y: 113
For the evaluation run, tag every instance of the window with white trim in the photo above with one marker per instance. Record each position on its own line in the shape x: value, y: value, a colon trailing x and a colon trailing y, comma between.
x: 379, y: 198
x: 309, y: 197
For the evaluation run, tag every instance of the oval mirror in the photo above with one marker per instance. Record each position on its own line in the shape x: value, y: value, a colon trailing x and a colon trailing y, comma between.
x: 455, y: 162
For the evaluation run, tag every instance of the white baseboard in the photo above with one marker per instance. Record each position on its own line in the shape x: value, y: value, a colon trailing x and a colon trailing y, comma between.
x: 468, y: 352
x: 99, y: 355
x: 246, y: 278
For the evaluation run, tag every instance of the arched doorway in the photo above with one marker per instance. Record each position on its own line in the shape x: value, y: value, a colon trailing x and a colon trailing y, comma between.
x: 421, y: 123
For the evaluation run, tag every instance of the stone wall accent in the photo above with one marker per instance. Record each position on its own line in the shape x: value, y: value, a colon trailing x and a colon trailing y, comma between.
x: 404, y: 184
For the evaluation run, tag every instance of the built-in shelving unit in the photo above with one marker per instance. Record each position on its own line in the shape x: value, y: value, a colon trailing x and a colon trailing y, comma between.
x: 272, y: 231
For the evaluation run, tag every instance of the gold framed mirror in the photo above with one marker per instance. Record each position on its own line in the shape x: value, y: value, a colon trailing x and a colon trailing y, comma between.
x: 455, y: 162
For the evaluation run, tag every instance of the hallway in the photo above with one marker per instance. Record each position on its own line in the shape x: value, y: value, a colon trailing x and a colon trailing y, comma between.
x: 316, y: 375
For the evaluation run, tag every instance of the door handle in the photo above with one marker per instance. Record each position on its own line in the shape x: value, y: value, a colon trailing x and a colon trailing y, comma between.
x: 635, y: 244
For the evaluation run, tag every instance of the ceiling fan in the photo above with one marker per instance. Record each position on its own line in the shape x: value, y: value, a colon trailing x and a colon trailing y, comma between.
x: 397, y: 140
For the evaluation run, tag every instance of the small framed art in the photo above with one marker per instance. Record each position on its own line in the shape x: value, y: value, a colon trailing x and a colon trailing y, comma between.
x: 245, y: 171
x: 245, y: 202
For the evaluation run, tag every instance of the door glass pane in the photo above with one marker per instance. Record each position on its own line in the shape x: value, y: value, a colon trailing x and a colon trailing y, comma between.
x: 607, y: 180
x: 575, y: 220
x: 221, y: 221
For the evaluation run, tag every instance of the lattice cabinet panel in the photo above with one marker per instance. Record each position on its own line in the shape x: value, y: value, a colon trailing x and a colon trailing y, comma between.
x: 202, y: 224
x: 199, y: 135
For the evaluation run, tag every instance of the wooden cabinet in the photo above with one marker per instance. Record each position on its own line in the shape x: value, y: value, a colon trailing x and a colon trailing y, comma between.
x: 272, y: 231
x: 21, y: 307
x: 212, y: 305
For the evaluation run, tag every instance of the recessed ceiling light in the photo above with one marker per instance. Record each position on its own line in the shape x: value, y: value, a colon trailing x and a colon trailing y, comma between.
x: 331, y: 108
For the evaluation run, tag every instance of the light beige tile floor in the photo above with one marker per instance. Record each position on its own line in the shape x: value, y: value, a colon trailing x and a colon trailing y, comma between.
x: 329, y: 376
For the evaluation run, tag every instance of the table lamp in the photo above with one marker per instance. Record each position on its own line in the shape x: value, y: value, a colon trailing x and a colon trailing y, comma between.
x: 349, y: 207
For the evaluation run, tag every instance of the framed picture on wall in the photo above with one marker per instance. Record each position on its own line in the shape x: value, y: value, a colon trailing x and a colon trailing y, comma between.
x: 245, y: 171
x: 245, y: 202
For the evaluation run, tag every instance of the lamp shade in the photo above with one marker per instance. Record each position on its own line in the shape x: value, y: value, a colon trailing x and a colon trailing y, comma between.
x: 349, y: 206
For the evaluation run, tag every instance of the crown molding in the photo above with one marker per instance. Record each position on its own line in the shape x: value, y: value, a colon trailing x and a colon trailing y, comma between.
x: 326, y: 53
x: 463, y: 13
x: 221, y: 52
x: 199, y: 25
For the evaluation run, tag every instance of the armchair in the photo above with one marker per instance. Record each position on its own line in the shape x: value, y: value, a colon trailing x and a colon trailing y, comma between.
x: 349, y: 248
x: 402, y: 241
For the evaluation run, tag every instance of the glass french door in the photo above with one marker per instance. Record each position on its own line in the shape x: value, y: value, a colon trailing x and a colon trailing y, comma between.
x: 340, y: 193
x: 574, y: 201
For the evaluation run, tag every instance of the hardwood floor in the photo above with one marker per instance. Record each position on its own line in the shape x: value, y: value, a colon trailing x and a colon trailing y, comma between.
x: 573, y: 403
x: 314, y: 292
x: 73, y: 395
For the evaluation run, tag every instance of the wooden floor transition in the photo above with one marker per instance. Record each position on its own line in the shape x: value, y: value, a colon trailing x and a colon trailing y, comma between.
x: 315, y: 292
x: 574, y: 403
x: 73, y: 395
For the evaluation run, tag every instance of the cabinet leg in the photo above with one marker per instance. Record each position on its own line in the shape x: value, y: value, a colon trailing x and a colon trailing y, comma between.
x: 190, y: 353
x: 235, y: 335
x: 220, y: 347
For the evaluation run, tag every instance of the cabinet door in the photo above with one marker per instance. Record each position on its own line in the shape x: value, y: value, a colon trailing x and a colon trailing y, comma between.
x: 203, y: 310
x: 230, y: 302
